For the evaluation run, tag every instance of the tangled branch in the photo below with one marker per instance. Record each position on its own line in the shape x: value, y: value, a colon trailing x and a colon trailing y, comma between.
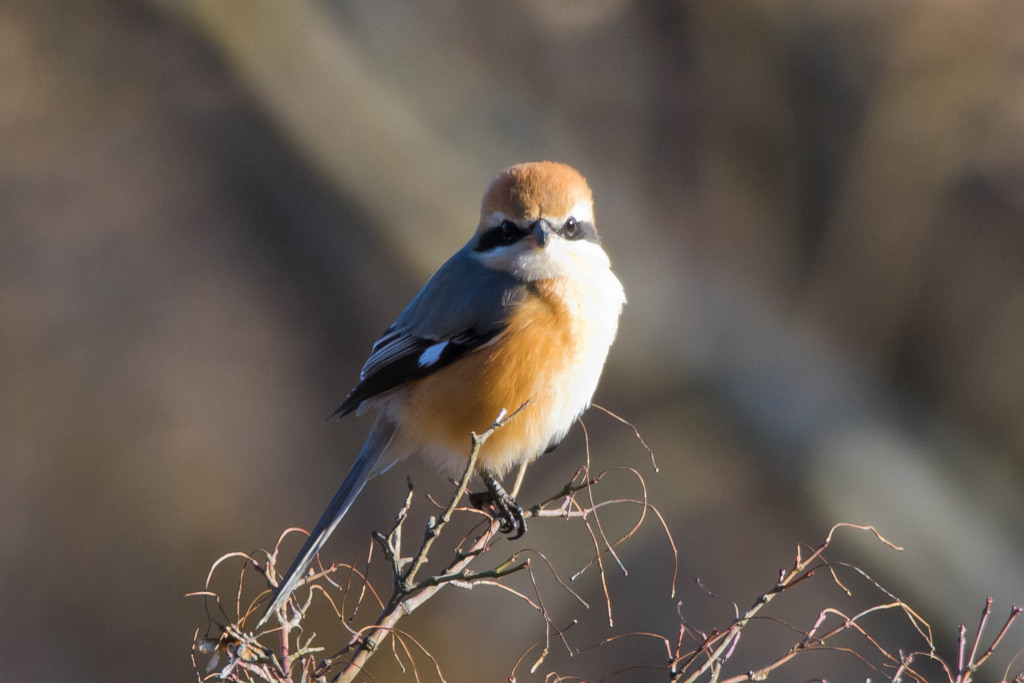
x: 231, y: 651
x: 249, y: 657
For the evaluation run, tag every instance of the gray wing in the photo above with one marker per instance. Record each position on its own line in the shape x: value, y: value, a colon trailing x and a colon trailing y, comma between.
x: 463, y: 307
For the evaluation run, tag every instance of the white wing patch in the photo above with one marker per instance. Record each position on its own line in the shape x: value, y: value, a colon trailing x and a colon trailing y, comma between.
x: 432, y: 354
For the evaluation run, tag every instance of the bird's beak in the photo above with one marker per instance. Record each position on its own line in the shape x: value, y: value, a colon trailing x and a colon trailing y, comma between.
x: 541, y: 232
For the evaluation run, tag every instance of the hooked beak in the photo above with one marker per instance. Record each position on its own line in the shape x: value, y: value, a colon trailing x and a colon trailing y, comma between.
x: 541, y: 232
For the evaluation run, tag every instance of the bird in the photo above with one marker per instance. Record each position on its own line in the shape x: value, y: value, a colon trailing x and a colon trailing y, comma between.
x: 521, y: 317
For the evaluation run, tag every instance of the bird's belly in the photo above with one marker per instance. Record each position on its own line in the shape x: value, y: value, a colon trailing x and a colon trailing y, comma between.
x: 548, y: 358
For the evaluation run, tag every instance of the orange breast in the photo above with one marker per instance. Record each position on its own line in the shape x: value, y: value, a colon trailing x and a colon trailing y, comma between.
x: 526, y: 363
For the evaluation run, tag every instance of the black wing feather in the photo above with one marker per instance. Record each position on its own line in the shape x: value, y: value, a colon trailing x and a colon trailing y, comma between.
x: 406, y: 366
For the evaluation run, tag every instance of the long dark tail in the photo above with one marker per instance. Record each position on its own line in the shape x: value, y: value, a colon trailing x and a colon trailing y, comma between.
x: 368, y: 464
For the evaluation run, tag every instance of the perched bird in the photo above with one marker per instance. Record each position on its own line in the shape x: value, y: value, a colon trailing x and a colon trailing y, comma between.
x: 524, y: 313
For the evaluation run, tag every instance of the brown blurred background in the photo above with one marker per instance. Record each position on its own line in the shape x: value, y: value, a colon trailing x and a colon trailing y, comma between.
x: 210, y: 208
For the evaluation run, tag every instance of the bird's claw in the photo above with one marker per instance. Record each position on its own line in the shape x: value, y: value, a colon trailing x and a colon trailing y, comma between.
x: 503, y: 506
x: 513, y: 522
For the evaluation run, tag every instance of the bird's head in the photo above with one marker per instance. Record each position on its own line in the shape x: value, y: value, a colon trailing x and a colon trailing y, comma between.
x: 537, y: 222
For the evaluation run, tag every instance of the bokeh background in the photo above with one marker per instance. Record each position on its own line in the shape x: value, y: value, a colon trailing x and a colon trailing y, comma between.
x: 210, y: 208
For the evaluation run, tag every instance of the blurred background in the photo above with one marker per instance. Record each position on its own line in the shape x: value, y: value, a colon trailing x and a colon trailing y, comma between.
x: 210, y: 209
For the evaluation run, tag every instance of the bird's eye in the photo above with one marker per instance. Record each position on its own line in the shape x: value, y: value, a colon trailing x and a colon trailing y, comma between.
x: 572, y: 228
x: 503, y: 234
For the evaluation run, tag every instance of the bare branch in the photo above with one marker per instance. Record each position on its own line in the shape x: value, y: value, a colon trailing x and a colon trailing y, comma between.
x: 690, y: 654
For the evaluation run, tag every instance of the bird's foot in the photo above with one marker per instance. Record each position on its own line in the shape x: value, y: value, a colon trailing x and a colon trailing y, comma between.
x: 503, y: 506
